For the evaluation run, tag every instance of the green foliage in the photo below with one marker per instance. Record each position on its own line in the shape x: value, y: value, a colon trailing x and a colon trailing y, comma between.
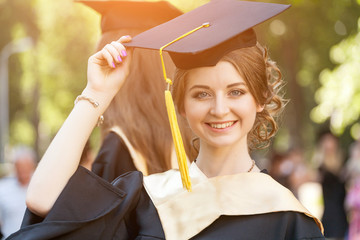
x: 339, y: 96
x: 45, y: 81
x: 67, y: 40
x: 18, y: 20
x: 299, y: 40
x: 69, y: 32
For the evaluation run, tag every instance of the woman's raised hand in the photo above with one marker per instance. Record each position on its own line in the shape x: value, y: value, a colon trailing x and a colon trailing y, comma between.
x: 108, y: 69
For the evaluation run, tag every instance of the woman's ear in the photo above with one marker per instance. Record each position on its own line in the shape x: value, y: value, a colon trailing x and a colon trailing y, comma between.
x: 260, y: 108
x: 182, y: 113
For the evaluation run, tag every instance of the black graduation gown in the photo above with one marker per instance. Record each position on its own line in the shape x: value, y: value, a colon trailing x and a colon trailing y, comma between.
x: 91, y: 208
x: 113, y: 159
x: 334, y: 193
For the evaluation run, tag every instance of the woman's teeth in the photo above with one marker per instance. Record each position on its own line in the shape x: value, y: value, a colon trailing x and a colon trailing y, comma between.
x: 221, y: 125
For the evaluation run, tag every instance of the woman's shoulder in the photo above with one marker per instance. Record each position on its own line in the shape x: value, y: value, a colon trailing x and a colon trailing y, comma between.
x: 298, y: 225
x: 274, y: 225
x: 246, y: 194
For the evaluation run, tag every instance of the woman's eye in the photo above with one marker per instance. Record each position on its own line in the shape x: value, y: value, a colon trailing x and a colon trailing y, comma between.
x: 235, y: 93
x: 202, y: 95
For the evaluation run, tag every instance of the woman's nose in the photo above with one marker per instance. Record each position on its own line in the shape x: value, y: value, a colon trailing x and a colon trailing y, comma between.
x: 219, y: 107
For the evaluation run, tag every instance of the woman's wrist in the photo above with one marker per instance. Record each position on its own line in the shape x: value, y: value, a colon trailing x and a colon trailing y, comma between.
x: 94, y: 103
x: 103, y: 99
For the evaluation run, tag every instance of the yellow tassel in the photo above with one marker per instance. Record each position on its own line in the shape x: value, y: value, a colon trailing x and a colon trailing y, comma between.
x: 179, y: 147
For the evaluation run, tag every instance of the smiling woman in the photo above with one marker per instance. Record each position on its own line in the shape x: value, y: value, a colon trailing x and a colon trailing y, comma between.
x: 232, y: 104
x: 227, y: 90
x: 262, y: 79
x: 221, y: 111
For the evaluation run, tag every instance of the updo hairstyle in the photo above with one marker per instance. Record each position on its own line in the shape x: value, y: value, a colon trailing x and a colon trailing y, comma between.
x: 264, y: 81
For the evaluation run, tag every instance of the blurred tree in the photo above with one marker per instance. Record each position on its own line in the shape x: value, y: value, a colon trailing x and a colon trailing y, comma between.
x: 69, y: 32
x: 339, y: 95
x: 18, y: 20
x: 300, y: 40
x: 45, y: 81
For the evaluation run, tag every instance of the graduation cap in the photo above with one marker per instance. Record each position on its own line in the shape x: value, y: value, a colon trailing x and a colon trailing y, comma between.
x: 228, y: 25
x: 132, y: 14
x: 200, y: 38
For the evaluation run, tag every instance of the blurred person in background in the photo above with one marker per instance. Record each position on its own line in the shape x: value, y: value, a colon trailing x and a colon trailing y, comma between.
x: 352, y: 201
x: 277, y: 169
x: 290, y: 169
x: 146, y: 143
x: 13, y: 189
x: 329, y: 159
x: 301, y: 173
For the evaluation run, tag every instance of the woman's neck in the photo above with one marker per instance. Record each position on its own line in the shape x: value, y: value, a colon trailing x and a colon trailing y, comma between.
x: 224, y: 160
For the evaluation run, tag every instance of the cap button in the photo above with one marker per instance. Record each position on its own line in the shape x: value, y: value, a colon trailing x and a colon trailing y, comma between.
x: 207, y: 24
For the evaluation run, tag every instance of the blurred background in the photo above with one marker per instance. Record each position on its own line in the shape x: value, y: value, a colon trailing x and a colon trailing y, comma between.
x: 45, y: 44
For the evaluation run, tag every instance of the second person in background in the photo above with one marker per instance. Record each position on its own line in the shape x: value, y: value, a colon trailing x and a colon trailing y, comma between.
x: 136, y: 132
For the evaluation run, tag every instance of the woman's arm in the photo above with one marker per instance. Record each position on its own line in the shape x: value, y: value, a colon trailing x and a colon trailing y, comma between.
x: 107, y: 71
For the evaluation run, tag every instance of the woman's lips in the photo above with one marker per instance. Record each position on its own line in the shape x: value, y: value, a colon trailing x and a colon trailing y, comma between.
x: 221, y: 125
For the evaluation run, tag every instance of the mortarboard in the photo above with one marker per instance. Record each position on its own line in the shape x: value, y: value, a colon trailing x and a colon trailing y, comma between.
x: 200, y: 38
x: 231, y: 25
x: 132, y: 14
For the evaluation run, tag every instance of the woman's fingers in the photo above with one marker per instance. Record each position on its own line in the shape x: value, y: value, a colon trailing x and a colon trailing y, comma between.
x: 109, y: 67
x: 124, y: 39
x: 108, y: 57
x: 114, y: 52
x: 118, y: 45
x: 117, y: 50
x: 120, y: 50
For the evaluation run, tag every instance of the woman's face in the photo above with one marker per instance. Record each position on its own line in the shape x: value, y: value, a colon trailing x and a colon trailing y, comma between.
x: 218, y: 105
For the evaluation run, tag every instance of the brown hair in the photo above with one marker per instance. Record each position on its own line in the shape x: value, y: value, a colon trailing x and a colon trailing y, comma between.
x: 139, y: 107
x: 264, y: 81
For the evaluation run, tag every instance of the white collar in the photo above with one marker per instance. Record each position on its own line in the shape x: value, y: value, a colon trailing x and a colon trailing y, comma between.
x: 184, y: 214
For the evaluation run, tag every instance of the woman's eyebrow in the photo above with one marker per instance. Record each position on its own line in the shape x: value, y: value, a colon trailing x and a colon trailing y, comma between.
x: 199, y: 86
x: 236, y: 84
x: 228, y: 86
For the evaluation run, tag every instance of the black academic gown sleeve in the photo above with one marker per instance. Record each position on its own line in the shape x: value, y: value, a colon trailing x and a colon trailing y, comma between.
x: 113, y: 159
x: 271, y: 226
x: 91, y: 208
